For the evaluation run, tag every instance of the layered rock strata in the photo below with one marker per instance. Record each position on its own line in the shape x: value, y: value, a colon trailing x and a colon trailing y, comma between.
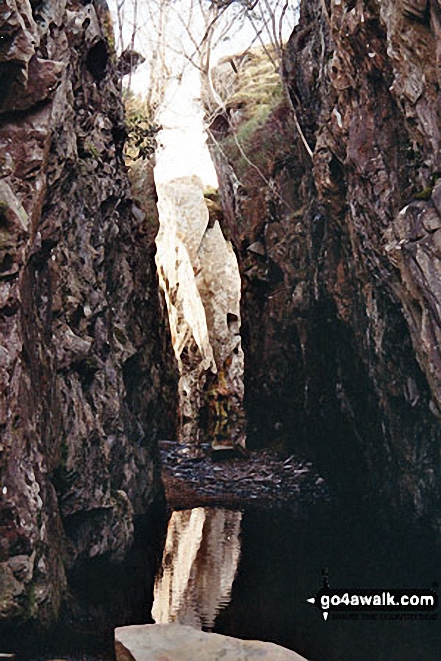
x: 85, y: 368
x: 339, y: 251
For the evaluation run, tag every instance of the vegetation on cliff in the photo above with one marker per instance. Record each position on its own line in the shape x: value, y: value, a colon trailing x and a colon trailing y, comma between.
x: 252, y: 93
x: 338, y: 305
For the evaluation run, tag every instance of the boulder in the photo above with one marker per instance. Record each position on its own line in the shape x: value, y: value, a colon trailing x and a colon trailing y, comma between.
x: 172, y: 642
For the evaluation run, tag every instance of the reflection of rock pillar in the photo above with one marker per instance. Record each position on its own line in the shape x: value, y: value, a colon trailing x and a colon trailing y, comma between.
x: 199, y: 274
x: 199, y: 564
x: 184, y: 536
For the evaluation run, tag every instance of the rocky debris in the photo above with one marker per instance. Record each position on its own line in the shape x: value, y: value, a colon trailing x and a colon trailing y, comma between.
x: 260, y: 478
x: 340, y: 306
x: 85, y: 365
x: 175, y: 642
x: 221, y: 451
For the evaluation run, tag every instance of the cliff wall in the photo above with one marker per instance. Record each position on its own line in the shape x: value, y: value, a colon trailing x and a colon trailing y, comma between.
x: 85, y: 362
x: 339, y: 251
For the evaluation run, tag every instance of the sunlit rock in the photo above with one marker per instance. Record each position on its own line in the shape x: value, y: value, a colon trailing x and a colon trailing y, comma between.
x: 199, y: 275
x: 157, y: 642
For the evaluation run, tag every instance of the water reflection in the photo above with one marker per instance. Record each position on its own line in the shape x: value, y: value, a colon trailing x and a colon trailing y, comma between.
x: 199, y: 564
x: 282, y: 557
x: 256, y: 585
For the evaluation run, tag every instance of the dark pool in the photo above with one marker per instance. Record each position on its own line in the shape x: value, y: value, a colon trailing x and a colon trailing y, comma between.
x: 249, y: 574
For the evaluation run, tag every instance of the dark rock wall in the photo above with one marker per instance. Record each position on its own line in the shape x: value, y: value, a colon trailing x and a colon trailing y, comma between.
x: 340, y: 302
x: 87, y: 377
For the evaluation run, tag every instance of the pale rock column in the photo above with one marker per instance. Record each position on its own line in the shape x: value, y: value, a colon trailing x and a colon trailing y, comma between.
x: 199, y: 275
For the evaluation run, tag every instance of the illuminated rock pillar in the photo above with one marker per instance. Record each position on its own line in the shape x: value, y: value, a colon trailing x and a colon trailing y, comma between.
x: 199, y: 275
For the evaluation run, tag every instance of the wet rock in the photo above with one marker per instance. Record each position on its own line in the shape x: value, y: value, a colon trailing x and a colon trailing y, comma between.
x: 181, y: 643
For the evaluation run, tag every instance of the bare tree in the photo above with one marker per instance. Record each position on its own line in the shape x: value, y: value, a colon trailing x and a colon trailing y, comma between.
x: 171, y: 32
x: 270, y: 23
x: 175, y: 34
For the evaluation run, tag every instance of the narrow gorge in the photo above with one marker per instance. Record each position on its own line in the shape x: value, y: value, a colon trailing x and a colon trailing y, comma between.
x: 212, y: 399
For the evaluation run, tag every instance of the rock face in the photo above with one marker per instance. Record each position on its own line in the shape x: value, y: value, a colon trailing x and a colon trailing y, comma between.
x: 174, y: 642
x: 340, y: 303
x: 85, y: 368
x: 200, y: 278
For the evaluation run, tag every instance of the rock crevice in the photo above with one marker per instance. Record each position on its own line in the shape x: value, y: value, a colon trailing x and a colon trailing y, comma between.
x: 200, y: 278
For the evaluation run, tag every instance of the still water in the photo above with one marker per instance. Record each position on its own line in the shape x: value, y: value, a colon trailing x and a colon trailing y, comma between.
x: 199, y: 565
x: 249, y: 574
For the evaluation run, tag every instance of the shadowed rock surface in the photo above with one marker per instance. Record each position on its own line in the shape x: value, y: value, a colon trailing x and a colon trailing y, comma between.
x: 339, y: 254
x: 87, y: 379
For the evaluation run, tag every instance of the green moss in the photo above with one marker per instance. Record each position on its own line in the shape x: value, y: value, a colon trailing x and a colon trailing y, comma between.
x: 29, y: 607
x: 251, y: 83
x: 424, y: 194
x: 257, y: 119
x: 91, y: 149
x: 257, y: 143
x: 254, y: 92
x: 211, y: 193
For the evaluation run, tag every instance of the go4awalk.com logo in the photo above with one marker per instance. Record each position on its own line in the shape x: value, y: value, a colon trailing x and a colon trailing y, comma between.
x: 357, y: 601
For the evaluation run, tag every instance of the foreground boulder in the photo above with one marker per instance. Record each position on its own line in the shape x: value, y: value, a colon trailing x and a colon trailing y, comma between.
x: 170, y: 642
